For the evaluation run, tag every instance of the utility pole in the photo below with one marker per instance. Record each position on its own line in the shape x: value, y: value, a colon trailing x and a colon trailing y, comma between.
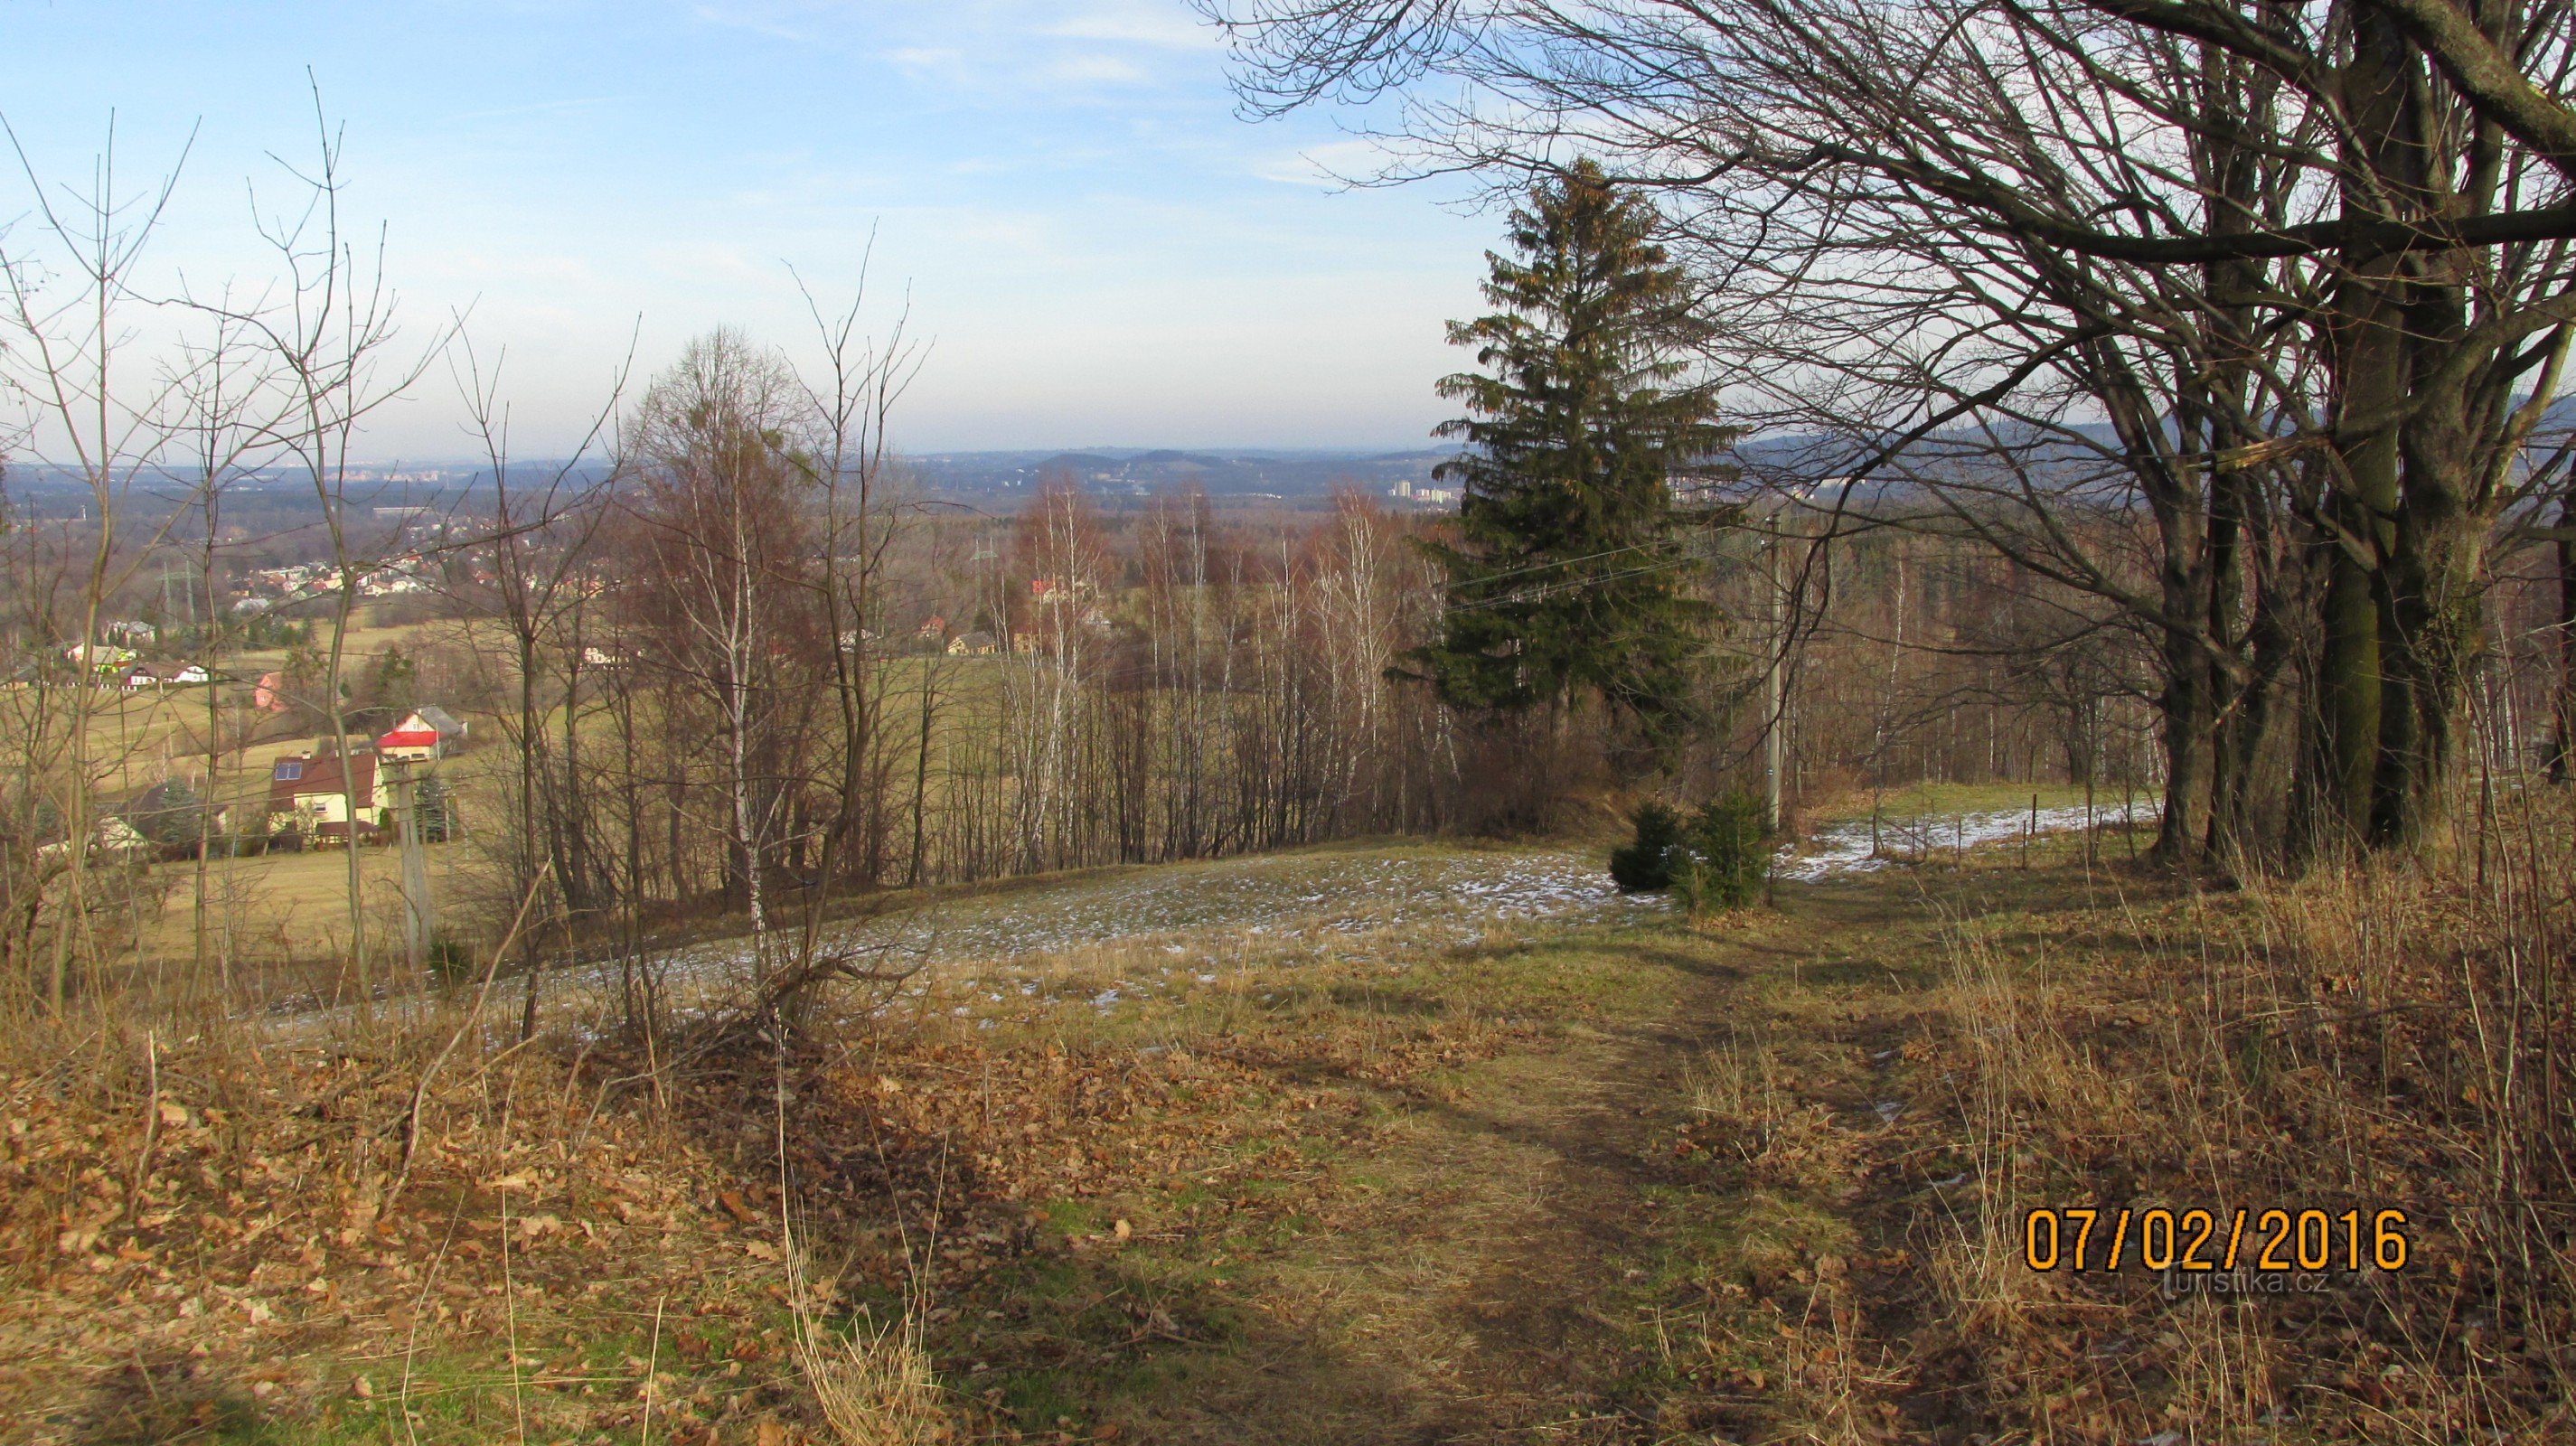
x: 420, y: 911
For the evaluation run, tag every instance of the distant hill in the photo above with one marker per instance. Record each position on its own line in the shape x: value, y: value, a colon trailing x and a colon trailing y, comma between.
x: 1293, y: 477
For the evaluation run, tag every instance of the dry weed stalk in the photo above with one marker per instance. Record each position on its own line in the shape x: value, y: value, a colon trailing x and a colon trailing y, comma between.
x: 874, y: 1386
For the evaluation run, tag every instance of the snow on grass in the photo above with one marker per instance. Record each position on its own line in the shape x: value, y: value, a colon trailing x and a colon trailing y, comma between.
x: 1302, y: 899
x: 1075, y: 941
x: 1847, y: 848
x: 1215, y: 915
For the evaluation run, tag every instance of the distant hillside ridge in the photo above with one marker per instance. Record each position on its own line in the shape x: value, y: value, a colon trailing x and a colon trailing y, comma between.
x: 1111, y: 472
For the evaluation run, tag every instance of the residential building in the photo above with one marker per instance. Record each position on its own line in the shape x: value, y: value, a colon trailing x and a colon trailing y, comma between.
x: 429, y: 732
x: 311, y: 793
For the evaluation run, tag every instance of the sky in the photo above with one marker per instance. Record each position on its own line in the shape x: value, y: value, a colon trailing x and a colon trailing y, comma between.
x: 1096, y: 248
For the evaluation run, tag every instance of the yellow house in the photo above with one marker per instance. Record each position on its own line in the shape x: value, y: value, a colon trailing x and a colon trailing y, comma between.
x: 308, y: 793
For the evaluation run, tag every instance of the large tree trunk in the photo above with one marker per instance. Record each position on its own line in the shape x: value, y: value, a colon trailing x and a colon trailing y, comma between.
x: 2368, y: 321
x: 2562, y: 711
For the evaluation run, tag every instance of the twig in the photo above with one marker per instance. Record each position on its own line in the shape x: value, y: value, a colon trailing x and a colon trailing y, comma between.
x: 652, y: 1363
x: 151, y: 1124
x: 411, y: 1343
x: 510, y: 1308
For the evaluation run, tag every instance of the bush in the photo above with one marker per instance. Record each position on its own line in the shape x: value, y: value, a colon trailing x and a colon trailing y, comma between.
x: 1646, y: 865
x: 449, y: 959
x: 1719, y: 865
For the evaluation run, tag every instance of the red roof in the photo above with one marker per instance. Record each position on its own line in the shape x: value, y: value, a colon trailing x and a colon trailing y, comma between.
x: 293, y: 778
x: 416, y: 738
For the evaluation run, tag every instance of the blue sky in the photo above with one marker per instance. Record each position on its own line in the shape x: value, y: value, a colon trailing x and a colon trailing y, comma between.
x: 1100, y: 251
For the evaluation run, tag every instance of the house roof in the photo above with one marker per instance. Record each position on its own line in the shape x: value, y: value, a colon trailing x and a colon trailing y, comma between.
x: 162, y: 797
x: 438, y: 718
x: 293, y: 778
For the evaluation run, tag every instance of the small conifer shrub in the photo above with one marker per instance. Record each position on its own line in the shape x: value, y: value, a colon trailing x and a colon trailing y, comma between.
x: 1721, y: 860
x: 1644, y: 865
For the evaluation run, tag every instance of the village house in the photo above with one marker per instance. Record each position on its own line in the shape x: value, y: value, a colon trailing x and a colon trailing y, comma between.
x: 974, y: 644
x: 310, y: 794
x: 174, y: 675
x: 429, y: 732
x: 99, y: 657
x: 113, y: 837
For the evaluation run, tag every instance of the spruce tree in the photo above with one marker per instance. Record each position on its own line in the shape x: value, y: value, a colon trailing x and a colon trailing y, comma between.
x: 1570, y: 575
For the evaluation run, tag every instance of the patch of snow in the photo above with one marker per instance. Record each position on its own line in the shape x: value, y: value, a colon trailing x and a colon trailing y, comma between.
x: 1845, y: 848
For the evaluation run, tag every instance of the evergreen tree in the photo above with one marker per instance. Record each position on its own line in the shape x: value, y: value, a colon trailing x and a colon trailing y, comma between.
x: 1570, y: 575
x: 433, y: 809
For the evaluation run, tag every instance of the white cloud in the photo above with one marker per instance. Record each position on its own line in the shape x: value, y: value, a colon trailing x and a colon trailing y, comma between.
x: 1096, y: 69
x: 1331, y: 165
x: 1156, y: 26
x: 926, y: 57
x: 759, y: 20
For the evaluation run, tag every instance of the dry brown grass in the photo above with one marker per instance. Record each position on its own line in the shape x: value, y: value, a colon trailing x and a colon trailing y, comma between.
x: 2364, y: 1038
x: 221, y: 1229
x: 1902, y: 1069
x: 872, y: 1383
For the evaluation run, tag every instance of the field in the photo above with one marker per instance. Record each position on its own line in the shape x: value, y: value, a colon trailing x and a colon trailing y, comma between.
x: 291, y: 908
x: 1384, y: 1142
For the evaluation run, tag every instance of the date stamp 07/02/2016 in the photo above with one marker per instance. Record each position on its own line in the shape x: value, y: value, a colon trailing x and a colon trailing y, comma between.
x: 2219, y: 1252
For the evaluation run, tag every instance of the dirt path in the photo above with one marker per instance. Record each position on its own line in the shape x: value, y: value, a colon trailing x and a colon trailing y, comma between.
x: 1491, y: 1271
x: 1471, y: 1281
x: 1466, y: 1280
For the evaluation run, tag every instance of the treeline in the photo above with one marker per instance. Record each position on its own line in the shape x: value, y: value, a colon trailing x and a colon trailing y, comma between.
x: 732, y: 670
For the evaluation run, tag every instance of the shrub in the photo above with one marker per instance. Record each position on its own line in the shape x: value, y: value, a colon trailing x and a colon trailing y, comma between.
x: 1646, y: 864
x: 449, y: 959
x: 1720, y: 863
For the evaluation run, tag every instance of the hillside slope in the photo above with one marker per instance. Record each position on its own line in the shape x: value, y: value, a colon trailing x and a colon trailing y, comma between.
x: 1382, y: 1143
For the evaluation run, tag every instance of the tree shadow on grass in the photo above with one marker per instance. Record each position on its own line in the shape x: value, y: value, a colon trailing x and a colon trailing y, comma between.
x: 1158, y: 1347
x: 153, y: 1401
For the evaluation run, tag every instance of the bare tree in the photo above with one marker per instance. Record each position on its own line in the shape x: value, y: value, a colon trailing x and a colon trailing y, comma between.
x: 540, y: 550
x: 104, y: 416
x: 730, y: 569
x: 330, y: 335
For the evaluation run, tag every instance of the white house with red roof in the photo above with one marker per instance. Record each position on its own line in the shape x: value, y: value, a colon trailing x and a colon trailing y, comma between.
x: 428, y: 732
x: 312, y: 792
